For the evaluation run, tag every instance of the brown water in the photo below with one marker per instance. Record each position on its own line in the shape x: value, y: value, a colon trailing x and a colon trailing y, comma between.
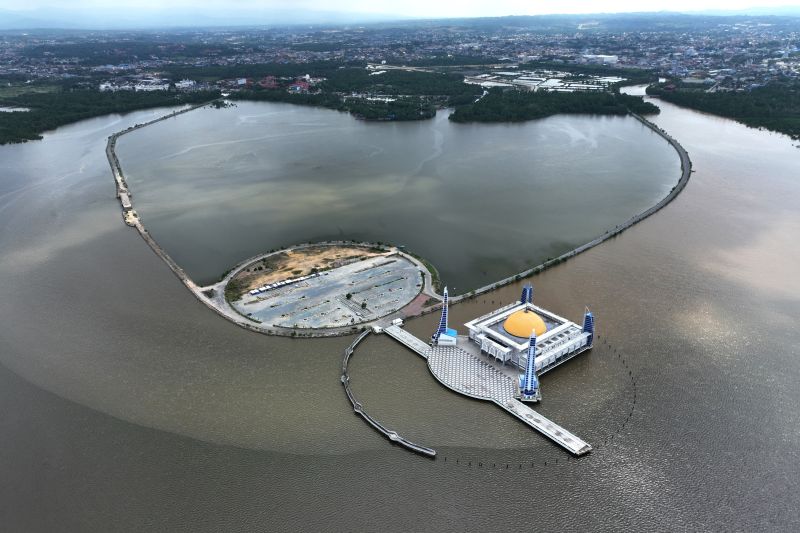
x: 127, y: 405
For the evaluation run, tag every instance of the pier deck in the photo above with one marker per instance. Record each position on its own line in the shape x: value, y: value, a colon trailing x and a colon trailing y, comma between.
x: 408, y: 340
x: 481, y: 378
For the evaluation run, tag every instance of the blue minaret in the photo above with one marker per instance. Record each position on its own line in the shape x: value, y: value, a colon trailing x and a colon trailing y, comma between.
x: 529, y: 386
x: 527, y: 294
x: 443, y: 321
x: 588, y: 326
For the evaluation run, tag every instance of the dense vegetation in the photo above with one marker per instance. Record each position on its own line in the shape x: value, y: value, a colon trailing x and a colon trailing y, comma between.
x: 416, y: 93
x: 775, y: 106
x: 410, y: 108
x: 516, y: 106
x: 343, y: 78
x: 400, y: 109
x: 416, y: 96
x: 53, y: 109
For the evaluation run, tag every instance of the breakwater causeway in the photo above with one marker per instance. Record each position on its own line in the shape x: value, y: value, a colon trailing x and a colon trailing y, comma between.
x: 124, y: 195
x: 686, y: 171
x: 207, y: 298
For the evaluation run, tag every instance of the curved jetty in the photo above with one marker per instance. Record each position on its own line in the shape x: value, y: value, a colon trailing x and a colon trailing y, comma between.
x: 686, y: 172
x: 359, y: 409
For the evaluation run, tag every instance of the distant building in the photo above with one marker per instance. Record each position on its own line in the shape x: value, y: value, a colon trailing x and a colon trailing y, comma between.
x: 151, y: 84
x: 601, y: 59
x: 185, y: 85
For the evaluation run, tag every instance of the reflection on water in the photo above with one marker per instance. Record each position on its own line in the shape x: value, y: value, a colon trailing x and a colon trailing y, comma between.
x: 480, y: 201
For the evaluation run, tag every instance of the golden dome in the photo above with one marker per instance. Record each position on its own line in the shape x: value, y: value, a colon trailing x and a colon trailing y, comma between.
x: 522, y: 323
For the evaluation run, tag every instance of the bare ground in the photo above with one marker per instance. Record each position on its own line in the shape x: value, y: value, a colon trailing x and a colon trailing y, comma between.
x: 294, y: 263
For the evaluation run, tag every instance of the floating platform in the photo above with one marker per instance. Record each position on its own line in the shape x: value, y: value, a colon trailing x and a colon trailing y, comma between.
x: 483, y: 379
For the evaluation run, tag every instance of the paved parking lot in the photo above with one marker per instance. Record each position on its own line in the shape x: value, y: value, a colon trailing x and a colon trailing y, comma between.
x: 377, y: 287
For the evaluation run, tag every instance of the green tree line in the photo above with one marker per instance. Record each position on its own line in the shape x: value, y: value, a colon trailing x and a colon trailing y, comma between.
x: 409, y: 108
x: 51, y: 110
x: 517, y: 106
x: 344, y: 78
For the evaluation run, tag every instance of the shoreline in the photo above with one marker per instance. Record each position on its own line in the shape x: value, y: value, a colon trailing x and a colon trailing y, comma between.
x: 224, y: 309
x: 213, y: 294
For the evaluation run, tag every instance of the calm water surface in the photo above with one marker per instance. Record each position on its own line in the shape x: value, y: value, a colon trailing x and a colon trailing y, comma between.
x: 126, y: 405
x: 482, y: 202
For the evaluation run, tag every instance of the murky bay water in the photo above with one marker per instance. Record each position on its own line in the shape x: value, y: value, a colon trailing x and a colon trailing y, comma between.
x: 481, y: 202
x: 127, y: 405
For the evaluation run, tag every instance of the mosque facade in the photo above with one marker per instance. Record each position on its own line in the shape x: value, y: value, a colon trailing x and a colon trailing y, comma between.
x: 521, y: 337
x: 507, y: 334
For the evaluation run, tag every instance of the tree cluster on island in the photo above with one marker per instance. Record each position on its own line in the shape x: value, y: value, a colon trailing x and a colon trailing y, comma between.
x: 510, y: 105
x: 405, y: 108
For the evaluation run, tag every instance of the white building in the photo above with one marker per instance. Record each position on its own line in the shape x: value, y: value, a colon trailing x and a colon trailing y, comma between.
x: 505, y: 335
x: 601, y: 58
x: 185, y: 85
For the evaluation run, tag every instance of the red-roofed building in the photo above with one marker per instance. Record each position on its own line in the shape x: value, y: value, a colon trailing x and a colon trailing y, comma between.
x: 299, y: 86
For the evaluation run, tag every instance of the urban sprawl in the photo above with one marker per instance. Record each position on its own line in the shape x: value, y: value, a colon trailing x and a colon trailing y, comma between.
x: 717, y: 54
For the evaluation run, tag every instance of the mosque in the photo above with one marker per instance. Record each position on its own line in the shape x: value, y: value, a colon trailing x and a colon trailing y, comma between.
x: 523, y: 336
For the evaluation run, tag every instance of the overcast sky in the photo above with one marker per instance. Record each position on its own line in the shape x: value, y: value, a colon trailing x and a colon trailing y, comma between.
x: 289, y: 10
x: 412, y: 8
